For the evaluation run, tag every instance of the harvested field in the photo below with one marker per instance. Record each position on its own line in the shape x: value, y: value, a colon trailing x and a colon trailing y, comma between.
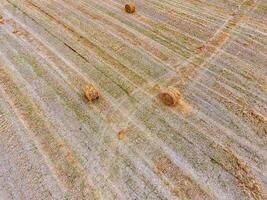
x: 165, y: 101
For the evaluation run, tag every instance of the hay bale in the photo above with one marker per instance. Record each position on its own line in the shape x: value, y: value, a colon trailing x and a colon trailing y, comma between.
x: 15, y: 31
x: 121, y: 135
x: 1, y: 20
x: 171, y: 96
x: 90, y: 92
x: 130, y: 8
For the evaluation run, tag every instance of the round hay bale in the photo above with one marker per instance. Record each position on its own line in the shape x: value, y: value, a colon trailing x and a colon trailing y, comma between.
x: 121, y: 135
x: 170, y: 97
x: 130, y: 8
x: 90, y: 92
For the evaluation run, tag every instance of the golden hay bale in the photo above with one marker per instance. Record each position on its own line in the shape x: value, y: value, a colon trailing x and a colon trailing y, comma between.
x: 130, y: 8
x: 1, y: 20
x: 90, y: 92
x: 121, y: 135
x: 15, y: 31
x: 170, y: 97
